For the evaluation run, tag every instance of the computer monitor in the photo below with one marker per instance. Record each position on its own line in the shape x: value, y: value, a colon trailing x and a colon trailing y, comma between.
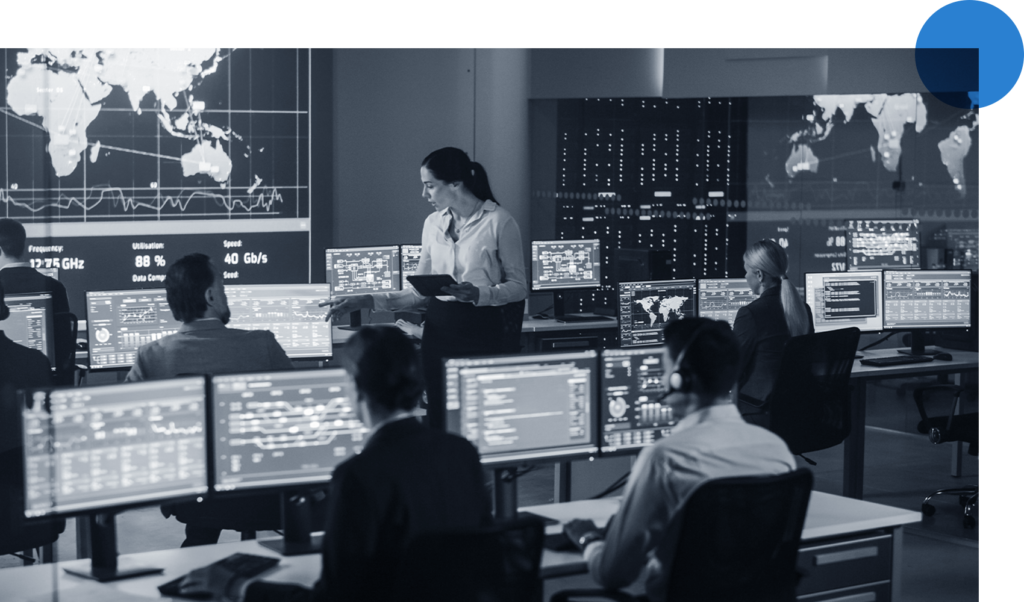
x: 31, y: 322
x: 290, y: 311
x: 645, y: 308
x: 562, y: 264
x: 284, y: 431
x: 104, y: 448
x: 721, y: 298
x: 364, y: 270
x: 410, y: 262
x: 875, y: 244
x: 521, y: 408
x: 924, y: 300
x: 632, y: 414
x: 119, y: 322
x: 844, y: 299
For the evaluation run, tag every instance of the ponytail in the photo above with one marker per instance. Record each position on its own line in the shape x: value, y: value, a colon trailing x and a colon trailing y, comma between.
x: 769, y: 257
x: 793, y: 308
x: 478, y: 183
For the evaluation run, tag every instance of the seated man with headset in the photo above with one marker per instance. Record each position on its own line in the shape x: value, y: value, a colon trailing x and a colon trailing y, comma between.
x: 710, y: 440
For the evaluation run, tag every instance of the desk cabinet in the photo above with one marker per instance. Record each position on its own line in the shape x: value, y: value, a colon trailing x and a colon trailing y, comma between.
x: 856, y: 568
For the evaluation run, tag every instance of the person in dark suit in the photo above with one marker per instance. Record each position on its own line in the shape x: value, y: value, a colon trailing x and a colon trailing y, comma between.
x: 17, y: 276
x: 20, y: 368
x: 765, y: 324
x: 408, y: 480
x: 204, y: 345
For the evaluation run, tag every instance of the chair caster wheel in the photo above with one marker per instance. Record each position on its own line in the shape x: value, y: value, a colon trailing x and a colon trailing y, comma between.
x: 927, y: 509
x: 970, y: 522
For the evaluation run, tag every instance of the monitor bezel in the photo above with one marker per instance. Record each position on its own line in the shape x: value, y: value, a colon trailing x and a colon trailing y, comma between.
x: 536, y: 288
x: 970, y: 300
x: 49, y: 320
x: 88, y: 326
x: 116, y: 507
x: 618, y: 307
x: 328, y: 270
x: 536, y: 455
x: 909, y: 220
x: 264, y: 487
x: 881, y: 299
x: 401, y: 262
x: 329, y: 354
x: 696, y: 307
x: 630, y: 450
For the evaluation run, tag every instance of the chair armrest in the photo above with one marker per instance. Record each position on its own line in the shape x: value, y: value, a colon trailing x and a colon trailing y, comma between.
x: 955, y: 390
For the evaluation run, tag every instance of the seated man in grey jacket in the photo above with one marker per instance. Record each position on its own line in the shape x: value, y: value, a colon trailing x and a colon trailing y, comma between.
x: 205, y: 345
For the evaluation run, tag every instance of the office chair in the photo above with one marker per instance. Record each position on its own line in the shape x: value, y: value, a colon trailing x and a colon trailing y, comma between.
x: 499, y: 563
x: 942, y: 429
x: 18, y: 535
x: 735, y: 539
x: 512, y: 326
x: 809, y: 405
x: 65, y: 326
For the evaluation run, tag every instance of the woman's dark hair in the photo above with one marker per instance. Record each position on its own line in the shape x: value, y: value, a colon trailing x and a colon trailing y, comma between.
x: 5, y: 312
x: 186, y: 284
x: 450, y: 164
x: 386, y: 367
x: 713, y: 357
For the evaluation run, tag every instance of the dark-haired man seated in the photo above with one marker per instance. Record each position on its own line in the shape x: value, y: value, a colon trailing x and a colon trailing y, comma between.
x: 408, y: 480
x: 205, y: 345
x: 711, y: 440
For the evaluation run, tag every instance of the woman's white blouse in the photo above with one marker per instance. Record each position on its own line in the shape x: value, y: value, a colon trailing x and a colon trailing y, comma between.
x: 488, y: 254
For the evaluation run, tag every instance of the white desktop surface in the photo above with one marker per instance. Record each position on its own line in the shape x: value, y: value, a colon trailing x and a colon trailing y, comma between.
x: 827, y: 515
x: 962, y: 361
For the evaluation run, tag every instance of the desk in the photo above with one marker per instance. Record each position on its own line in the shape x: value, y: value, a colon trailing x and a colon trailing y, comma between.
x: 860, y: 376
x: 846, y: 544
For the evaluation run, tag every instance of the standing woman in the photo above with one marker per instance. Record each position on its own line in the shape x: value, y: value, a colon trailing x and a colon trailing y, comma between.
x: 765, y: 324
x: 477, y: 242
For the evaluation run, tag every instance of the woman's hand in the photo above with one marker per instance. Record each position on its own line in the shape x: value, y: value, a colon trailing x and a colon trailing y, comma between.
x: 344, y: 305
x: 413, y: 330
x: 463, y: 291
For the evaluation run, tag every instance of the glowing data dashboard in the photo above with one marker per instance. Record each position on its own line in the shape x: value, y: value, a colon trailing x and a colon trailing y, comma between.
x: 283, y: 428
x: 105, y: 446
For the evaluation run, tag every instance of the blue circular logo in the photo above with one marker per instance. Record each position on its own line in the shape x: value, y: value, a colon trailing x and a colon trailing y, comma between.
x: 956, y: 73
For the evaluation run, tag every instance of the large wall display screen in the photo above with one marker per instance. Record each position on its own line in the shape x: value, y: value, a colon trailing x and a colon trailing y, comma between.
x: 119, y: 161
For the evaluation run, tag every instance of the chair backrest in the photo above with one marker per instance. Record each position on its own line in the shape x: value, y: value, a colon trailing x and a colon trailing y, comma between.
x: 65, y: 327
x: 737, y: 539
x: 512, y: 326
x: 500, y: 563
x: 16, y: 532
x: 810, y: 402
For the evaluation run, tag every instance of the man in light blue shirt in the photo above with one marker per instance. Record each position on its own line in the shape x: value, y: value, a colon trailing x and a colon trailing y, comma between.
x: 710, y: 441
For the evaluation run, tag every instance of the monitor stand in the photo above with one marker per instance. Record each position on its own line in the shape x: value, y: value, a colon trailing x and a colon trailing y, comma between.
x: 297, y: 520
x: 917, y: 346
x: 561, y: 316
x: 103, y: 541
x: 505, y: 494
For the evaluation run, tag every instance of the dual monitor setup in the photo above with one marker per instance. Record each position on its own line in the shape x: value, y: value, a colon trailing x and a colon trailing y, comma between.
x: 100, y: 449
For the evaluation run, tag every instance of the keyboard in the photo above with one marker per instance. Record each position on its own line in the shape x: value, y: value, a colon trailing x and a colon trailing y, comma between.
x: 243, y: 565
x: 896, y: 360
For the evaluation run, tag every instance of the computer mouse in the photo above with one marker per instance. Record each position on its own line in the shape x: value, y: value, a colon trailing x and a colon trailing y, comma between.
x: 943, y: 356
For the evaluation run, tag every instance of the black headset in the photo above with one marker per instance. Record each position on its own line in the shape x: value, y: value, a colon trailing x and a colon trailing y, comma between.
x: 681, y: 380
